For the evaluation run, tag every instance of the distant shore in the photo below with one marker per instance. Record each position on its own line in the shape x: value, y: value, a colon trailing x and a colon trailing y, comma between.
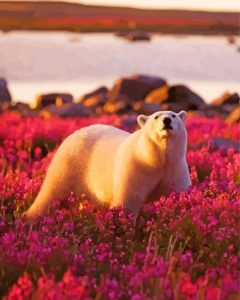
x: 22, y: 15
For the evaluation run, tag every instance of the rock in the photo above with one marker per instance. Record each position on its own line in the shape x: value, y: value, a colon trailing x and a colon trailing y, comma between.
x: 210, y: 111
x: 57, y: 99
x: 181, y: 97
x: 66, y: 110
x: 28, y: 112
x: 157, y: 95
x: 218, y: 143
x: 231, y: 39
x: 176, y: 107
x: 119, y: 107
x: 99, y: 91
x: 121, y: 33
x: 4, y: 92
x: 223, y: 111
x: 223, y: 144
x: 234, y: 116
x: 20, y: 108
x: 95, y: 99
x: 128, y: 122
x: 16, y: 106
x: 4, y: 105
x: 227, y: 99
x: 136, y: 35
x: 99, y: 111
x: 195, y: 114
x: 134, y: 88
x: 146, y: 108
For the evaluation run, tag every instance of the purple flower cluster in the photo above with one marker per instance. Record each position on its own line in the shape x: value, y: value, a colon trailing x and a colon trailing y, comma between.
x: 184, y: 247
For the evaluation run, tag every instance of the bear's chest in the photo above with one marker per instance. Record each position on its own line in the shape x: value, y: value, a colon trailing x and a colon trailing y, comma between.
x: 165, y: 180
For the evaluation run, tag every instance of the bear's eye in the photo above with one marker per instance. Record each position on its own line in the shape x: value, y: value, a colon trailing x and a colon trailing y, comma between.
x: 173, y: 116
x: 156, y: 117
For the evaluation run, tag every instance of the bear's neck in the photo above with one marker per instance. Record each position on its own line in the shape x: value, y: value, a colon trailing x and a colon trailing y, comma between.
x: 156, y: 155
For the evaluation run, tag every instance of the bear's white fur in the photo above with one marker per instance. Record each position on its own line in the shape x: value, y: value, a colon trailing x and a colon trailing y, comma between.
x: 117, y: 168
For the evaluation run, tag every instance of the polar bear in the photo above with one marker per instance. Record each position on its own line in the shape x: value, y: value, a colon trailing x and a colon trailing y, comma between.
x: 117, y: 168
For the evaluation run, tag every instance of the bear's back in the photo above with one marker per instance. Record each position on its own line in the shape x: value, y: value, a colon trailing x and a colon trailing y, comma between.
x: 104, y: 142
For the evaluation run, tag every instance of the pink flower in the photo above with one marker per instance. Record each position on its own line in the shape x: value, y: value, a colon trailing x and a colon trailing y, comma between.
x: 212, y: 293
x: 187, y: 288
x: 22, y: 290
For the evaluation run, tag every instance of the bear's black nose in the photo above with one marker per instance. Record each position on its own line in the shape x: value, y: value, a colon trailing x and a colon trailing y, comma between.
x: 167, y: 121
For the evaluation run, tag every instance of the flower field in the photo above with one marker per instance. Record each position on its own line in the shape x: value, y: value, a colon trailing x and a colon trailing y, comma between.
x: 186, y: 246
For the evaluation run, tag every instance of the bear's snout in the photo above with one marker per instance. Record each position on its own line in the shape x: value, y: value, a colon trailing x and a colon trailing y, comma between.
x: 167, y: 123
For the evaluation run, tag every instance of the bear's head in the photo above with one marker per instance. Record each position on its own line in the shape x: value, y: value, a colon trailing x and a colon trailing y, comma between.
x: 166, y: 126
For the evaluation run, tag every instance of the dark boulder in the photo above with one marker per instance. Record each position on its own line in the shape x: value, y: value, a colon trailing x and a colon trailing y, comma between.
x: 210, y: 111
x: 218, y: 143
x: 223, y: 144
x: 180, y: 97
x: 99, y: 91
x: 231, y: 39
x: 20, y: 108
x: 66, y: 110
x: 57, y: 99
x: 227, y: 99
x: 234, y: 116
x: 158, y: 95
x: 4, y: 92
x: 223, y: 106
x: 122, y: 33
x: 134, y: 35
x: 146, y: 108
x: 119, y: 107
x: 95, y: 99
x: 137, y: 35
x: 134, y: 88
x: 127, y: 122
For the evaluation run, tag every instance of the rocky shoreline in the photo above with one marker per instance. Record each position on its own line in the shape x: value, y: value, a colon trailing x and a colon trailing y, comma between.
x: 129, y: 95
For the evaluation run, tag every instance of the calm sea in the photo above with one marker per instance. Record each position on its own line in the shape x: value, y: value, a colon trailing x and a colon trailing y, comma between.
x: 40, y: 62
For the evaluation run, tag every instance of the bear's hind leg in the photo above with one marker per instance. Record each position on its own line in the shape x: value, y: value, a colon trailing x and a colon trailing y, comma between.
x: 58, y: 184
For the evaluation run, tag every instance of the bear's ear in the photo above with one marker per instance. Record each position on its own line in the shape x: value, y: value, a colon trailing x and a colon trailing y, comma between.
x: 182, y: 115
x: 142, y: 120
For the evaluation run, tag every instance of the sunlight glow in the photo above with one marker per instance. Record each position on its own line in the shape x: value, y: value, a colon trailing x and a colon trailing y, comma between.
x: 206, y: 5
x: 215, y: 5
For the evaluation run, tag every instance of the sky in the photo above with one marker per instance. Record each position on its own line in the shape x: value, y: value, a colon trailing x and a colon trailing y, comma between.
x: 232, y: 5
x: 216, y: 5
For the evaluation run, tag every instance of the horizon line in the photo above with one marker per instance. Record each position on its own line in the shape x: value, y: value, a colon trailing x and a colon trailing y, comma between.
x: 231, y: 10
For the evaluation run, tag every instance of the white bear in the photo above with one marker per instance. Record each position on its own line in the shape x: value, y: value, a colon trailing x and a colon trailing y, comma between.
x: 117, y: 168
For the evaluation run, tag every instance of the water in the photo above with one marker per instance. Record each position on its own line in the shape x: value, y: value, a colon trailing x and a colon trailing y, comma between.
x: 40, y: 62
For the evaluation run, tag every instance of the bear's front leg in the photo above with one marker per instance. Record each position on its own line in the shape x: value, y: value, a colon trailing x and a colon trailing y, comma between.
x: 133, y: 182
x: 130, y: 191
x: 128, y: 200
